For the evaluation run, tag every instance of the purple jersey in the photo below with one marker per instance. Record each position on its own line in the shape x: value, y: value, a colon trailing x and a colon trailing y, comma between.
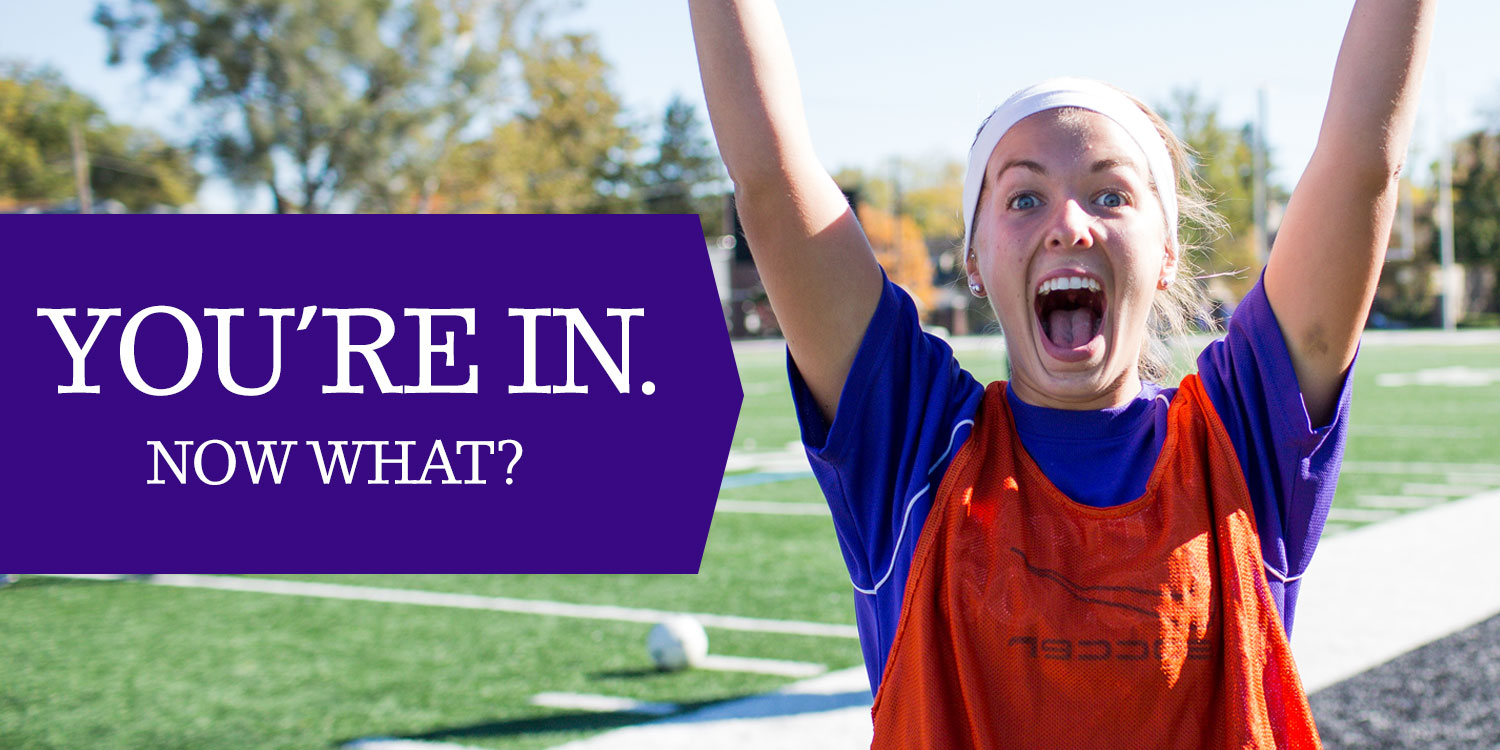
x: 907, y: 407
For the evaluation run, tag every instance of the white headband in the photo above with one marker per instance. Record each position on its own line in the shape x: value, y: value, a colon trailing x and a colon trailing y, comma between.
x: 1083, y: 94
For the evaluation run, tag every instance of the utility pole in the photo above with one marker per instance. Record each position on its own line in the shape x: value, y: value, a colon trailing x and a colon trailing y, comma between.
x: 1445, y: 227
x: 81, y: 172
x: 1449, y: 305
x: 896, y: 193
x: 1258, y: 181
x: 1407, y: 213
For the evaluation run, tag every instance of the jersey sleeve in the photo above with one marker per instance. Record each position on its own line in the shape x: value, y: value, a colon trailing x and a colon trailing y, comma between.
x: 896, y: 416
x: 1290, y: 465
x: 905, y: 409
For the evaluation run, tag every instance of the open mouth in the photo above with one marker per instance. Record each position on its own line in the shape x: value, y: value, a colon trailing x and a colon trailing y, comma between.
x: 1070, y: 310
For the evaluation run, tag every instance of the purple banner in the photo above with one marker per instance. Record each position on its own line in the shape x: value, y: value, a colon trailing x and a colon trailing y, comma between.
x: 454, y: 394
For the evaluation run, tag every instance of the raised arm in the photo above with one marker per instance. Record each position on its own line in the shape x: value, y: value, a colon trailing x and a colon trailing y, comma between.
x: 817, y: 266
x: 1322, y: 273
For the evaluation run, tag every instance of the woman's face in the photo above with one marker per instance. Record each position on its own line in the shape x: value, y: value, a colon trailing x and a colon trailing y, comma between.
x: 1071, y: 246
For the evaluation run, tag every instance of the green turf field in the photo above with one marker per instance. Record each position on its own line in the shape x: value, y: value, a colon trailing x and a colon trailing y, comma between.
x: 104, y: 664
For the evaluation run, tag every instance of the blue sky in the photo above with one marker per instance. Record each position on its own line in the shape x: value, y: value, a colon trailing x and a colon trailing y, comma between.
x: 883, y: 78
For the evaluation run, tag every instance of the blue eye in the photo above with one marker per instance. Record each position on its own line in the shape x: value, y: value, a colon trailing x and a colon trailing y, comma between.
x: 1111, y: 199
x: 1024, y: 201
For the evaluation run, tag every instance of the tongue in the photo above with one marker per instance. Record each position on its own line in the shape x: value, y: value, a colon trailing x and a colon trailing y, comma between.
x: 1071, y: 328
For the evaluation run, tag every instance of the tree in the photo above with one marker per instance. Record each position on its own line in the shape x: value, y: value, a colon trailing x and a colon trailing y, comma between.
x: 901, y: 251
x: 38, y: 112
x: 567, y: 149
x: 1476, y: 199
x: 1407, y: 290
x: 331, y: 103
x: 1224, y: 162
x: 685, y: 176
x: 930, y: 191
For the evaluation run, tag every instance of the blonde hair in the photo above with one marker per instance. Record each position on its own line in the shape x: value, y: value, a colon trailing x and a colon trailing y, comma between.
x: 1174, y: 310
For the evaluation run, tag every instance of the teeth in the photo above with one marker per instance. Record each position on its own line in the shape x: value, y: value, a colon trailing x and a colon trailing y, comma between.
x: 1068, y: 282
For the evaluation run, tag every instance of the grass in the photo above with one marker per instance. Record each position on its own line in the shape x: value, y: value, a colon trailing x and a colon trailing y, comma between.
x: 780, y: 567
x: 103, y: 665
x: 88, y: 664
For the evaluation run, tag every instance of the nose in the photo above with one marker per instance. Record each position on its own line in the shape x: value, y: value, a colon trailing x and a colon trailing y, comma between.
x: 1070, y: 228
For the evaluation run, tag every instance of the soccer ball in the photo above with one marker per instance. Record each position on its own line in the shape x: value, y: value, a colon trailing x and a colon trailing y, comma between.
x: 677, y: 643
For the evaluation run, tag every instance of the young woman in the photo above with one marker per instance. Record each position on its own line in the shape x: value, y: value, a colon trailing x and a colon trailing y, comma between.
x: 1079, y: 557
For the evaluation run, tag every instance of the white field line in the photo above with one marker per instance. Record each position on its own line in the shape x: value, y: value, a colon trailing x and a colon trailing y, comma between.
x: 89, y: 576
x: 496, y: 604
x: 1418, y: 432
x: 765, y: 389
x: 1361, y: 515
x: 1427, y: 337
x: 1401, y: 502
x: 758, y: 346
x: 1416, y: 467
x: 1444, y: 563
x: 1492, y: 480
x: 787, y: 460
x: 771, y: 508
x: 1457, y: 376
x: 1333, y: 528
x: 778, y: 667
x: 1441, y: 490
x: 829, y: 712
x: 393, y: 743
x: 603, y: 704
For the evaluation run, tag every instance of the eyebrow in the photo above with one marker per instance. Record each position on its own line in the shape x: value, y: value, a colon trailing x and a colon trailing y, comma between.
x: 1099, y: 166
x: 1104, y: 164
x: 1026, y: 163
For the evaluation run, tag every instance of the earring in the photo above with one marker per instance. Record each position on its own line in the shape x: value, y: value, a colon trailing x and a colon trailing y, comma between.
x: 975, y: 288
